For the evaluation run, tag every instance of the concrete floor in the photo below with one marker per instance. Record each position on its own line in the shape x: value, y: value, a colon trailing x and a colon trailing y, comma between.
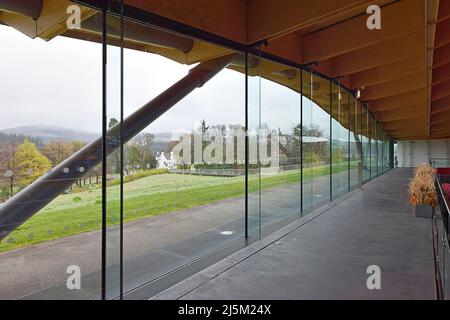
x: 152, y: 247
x: 192, y: 233
x: 326, y: 255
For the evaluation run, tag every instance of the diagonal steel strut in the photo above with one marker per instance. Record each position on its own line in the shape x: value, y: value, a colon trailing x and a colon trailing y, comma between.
x: 22, y: 206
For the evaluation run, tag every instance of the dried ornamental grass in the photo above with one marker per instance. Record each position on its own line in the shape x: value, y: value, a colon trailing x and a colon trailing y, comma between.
x: 422, y: 189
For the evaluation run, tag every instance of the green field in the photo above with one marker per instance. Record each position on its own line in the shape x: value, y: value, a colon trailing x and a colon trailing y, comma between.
x: 79, y: 212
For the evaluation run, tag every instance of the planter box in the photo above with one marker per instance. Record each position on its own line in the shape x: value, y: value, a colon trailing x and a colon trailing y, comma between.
x: 423, y: 211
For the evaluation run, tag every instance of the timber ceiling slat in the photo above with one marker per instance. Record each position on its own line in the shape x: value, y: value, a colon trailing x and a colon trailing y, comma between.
x: 440, y: 105
x: 395, y: 87
x: 441, y: 91
x: 269, y: 19
x: 442, y: 33
x: 353, y: 34
x: 388, y: 72
x: 444, y: 10
x: 441, y: 74
x: 405, y: 47
x: 441, y: 56
x: 399, y: 101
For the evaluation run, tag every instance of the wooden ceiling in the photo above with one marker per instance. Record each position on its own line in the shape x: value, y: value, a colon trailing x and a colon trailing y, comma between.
x: 402, y: 70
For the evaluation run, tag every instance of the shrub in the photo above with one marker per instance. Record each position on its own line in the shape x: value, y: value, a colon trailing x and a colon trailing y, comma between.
x: 422, y: 188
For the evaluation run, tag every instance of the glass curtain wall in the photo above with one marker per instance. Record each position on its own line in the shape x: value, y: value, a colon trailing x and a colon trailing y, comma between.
x: 318, y: 132
x: 316, y: 108
x: 373, y: 147
x: 279, y: 144
x: 112, y: 190
x: 52, y: 154
x: 184, y: 173
x: 194, y: 148
x: 274, y: 145
x: 307, y: 147
x: 365, y: 132
x: 253, y: 106
x: 340, y: 158
x: 385, y: 153
x: 355, y: 146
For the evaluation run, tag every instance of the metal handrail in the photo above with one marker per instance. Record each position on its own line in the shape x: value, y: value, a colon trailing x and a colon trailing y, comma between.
x: 438, y: 239
x: 443, y: 196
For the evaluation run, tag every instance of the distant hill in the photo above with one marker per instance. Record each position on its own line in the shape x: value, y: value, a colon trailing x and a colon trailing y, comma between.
x: 18, y: 138
x: 51, y: 133
x: 40, y: 134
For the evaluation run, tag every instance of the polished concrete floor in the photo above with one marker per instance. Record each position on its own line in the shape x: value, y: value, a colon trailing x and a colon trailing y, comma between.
x: 326, y: 255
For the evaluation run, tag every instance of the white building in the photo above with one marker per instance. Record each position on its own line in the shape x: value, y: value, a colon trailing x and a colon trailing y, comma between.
x: 164, y: 163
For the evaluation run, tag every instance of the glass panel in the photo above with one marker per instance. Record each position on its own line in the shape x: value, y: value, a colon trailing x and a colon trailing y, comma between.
x: 389, y: 155
x: 184, y: 183
x: 52, y: 107
x: 340, y: 143
x: 319, y: 133
x: 373, y: 147
x: 355, y: 140
x: 307, y: 146
x: 381, y: 154
x: 254, y: 166
x: 113, y: 167
x: 279, y: 144
x: 365, y: 143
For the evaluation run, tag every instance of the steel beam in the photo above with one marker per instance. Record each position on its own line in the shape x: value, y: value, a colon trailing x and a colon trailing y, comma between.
x: 22, y: 206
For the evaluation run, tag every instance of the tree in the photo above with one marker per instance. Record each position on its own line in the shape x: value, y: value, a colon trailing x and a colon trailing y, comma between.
x: 31, y: 163
x: 140, y: 153
x: 296, y: 139
x: 57, y: 151
x: 112, y: 122
x: 144, y: 142
x: 312, y: 131
x: 134, y: 156
x: 76, y: 145
x: 203, y: 128
x: 8, y: 167
x: 113, y: 161
x: 20, y: 165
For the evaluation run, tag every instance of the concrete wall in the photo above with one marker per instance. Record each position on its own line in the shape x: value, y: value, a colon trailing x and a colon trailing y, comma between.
x: 412, y: 153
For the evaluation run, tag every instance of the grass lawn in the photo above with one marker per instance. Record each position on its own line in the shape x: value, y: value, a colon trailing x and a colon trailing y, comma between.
x: 79, y: 212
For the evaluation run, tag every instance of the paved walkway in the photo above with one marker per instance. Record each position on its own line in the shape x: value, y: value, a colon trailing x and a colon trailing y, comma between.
x: 326, y: 255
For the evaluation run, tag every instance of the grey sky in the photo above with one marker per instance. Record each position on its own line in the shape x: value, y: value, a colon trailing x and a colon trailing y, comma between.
x: 58, y: 83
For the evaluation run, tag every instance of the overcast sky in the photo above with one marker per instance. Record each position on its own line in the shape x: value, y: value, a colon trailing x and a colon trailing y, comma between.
x: 58, y: 83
